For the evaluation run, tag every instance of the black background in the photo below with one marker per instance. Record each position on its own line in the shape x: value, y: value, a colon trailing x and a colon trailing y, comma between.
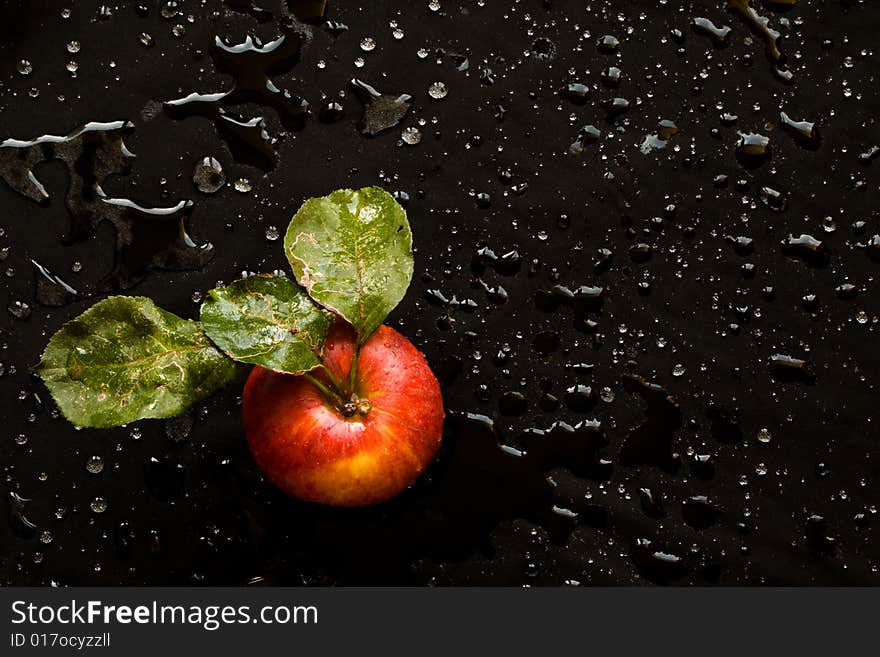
x: 202, y: 514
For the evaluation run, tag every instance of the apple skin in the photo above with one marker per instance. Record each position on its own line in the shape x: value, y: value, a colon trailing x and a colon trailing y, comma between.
x: 311, y: 451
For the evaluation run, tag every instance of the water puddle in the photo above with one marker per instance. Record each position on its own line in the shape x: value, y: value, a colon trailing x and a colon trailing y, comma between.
x: 146, y: 237
x: 252, y: 65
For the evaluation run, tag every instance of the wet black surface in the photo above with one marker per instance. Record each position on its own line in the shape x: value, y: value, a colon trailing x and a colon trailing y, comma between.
x: 710, y: 302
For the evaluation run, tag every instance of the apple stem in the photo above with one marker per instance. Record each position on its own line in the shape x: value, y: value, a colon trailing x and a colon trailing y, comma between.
x: 342, y: 397
x: 330, y: 395
x: 352, y: 374
x: 336, y: 383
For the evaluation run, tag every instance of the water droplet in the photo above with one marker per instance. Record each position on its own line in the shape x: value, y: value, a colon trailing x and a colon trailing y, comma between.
x: 720, y: 35
x: 19, y: 309
x: 242, y: 185
x: 411, y: 136
x: 611, y: 76
x: 752, y: 149
x: 208, y: 175
x: 368, y: 44
x: 657, y: 565
x: 331, y: 112
x: 760, y: 26
x: 381, y: 111
x: 73, y: 47
x: 272, y: 233
x: 438, y: 90
x: 577, y: 92
x: 763, y: 435
x: 98, y: 505
x: 804, y: 132
x: 24, y: 67
x: 652, y: 503
x: 806, y: 247
x: 543, y: 49
x: 640, y: 252
x: 699, y: 512
x: 614, y: 106
x: 587, y: 135
x: 787, y: 368
x: 170, y: 9
x: 177, y: 429
x: 608, y: 43
x: 773, y: 199
x: 95, y: 465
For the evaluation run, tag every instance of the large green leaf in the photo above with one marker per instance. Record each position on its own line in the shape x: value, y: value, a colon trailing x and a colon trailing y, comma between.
x: 125, y: 359
x: 268, y: 321
x: 352, y: 251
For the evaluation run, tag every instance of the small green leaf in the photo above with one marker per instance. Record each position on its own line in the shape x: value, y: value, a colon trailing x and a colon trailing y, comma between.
x: 352, y: 251
x: 124, y: 359
x: 268, y: 321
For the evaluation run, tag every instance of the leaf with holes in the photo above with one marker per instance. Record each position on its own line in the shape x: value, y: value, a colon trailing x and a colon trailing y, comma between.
x: 268, y: 321
x: 125, y: 359
x: 352, y: 252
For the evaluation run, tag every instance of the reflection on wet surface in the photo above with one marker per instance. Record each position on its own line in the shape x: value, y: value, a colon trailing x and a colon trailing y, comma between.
x: 146, y: 237
x: 646, y: 245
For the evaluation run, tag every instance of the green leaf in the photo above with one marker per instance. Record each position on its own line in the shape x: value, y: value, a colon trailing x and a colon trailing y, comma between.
x: 268, y: 321
x: 352, y: 252
x: 124, y: 359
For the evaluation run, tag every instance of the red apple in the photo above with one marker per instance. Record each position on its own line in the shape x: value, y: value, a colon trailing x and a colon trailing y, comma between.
x: 319, y: 451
